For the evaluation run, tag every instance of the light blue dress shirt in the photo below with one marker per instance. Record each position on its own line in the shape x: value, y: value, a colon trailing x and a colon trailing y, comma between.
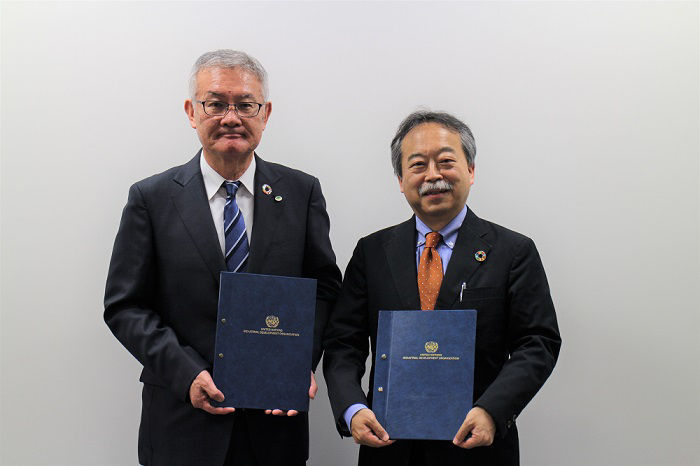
x: 445, y: 246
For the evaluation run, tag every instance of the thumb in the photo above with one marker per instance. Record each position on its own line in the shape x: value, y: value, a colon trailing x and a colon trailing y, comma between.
x: 378, y: 429
x: 464, y: 432
x: 212, y: 392
x: 313, y: 389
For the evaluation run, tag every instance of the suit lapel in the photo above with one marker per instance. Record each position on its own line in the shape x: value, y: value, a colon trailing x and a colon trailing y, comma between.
x: 400, y: 250
x: 463, y: 263
x: 266, y: 213
x: 190, y: 199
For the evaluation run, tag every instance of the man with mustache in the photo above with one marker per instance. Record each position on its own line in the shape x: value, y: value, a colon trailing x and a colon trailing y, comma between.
x: 445, y: 257
x: 226, y: 209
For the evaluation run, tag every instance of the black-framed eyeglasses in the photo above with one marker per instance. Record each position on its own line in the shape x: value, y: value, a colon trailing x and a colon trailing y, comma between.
x: 219, y: 108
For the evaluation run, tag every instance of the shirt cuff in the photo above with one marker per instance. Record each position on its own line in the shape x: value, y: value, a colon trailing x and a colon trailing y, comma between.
x: 350, y: 412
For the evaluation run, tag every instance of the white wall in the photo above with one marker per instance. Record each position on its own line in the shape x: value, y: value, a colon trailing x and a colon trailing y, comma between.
x: 586, y: 121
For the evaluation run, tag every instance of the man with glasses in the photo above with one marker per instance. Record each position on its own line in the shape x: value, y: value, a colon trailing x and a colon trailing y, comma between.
x: 225, y: 209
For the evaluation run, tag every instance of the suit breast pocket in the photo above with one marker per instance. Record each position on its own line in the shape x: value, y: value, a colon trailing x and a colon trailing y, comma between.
x: 491, y: 313
x: 491, y: 292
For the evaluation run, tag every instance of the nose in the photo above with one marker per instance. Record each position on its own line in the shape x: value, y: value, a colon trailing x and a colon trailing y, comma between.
x: 433, y: 171
x: 231, y: 118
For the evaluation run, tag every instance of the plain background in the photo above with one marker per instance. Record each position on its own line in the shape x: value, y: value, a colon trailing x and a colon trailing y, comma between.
x: 586, y: 122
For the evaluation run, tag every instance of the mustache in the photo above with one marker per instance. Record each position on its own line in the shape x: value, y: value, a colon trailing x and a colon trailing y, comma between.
x: 436, y: 186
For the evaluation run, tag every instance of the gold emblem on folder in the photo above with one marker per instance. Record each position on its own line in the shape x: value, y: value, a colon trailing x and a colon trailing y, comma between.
x: 272, y: 323
x: 431, y: 346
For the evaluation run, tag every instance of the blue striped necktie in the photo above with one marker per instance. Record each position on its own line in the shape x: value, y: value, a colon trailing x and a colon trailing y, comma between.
x: 234, y: 231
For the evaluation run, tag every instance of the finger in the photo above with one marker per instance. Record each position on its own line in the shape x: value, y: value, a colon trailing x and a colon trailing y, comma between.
x: 199, y: 399
x: 268, y: 411
x: 474, y: 441
x: 463, y: 443
x: 278, y: 412
x: 213, y: 410
x: 292, y: 412
x: 372, y: 442
x: 368, y: 438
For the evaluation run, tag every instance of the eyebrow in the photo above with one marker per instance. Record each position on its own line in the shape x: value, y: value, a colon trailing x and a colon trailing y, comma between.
x: 440, y: 151
x: 224, y: 96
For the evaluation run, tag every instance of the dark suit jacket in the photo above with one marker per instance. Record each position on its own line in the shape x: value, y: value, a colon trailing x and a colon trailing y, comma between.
x: 517, y: 338
x: 161, y: 302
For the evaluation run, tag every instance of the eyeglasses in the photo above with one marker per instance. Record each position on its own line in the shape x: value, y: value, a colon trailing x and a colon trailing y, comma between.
x: 242, y: 109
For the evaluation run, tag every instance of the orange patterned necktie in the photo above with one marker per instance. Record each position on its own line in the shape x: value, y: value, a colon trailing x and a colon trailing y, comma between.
x: 429, y: 272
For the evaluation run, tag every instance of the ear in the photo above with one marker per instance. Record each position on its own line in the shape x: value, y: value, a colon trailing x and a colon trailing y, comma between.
x: 189, y: 110
x: 471, y: 175
x: 400, y: 183
x: 268, y: 111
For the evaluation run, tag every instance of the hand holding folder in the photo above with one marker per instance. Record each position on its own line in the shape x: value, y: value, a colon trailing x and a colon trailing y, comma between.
x: 477, y: 430
x: 366, y: 430
x: 203, y: 390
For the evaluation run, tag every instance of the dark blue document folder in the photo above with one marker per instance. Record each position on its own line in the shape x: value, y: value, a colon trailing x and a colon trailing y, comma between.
x: 264, y: 338
x: 424, y: 372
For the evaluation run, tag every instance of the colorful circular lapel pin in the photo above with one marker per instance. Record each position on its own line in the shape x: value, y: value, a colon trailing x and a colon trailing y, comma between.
x: 278, y: 198
x: 267, y: 189
x: 480, y: 256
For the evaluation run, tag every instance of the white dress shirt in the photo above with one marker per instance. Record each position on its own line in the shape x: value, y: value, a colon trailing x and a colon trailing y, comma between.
x: 216, y: 194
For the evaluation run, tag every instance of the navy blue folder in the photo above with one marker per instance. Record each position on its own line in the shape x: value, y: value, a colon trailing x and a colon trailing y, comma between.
x: 424, y: 372
x: 264, y: 338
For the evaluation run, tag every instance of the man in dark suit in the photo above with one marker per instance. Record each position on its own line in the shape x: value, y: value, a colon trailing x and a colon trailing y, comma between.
x: 162, y: 289
x: 445, y: 257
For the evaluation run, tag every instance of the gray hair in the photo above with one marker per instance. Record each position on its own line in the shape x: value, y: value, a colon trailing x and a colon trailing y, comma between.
x: 226, y: 58
x: 444, y: 119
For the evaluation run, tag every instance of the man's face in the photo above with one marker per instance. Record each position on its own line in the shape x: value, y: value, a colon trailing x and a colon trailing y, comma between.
x: 230, y: 135
x: 435, y: 176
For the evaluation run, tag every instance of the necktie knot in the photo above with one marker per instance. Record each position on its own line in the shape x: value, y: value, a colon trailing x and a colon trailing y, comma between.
x: 231, y: 187
x: 432, y: 239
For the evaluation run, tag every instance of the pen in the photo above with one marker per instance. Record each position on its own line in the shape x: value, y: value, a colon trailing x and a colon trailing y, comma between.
x: 464, y: 287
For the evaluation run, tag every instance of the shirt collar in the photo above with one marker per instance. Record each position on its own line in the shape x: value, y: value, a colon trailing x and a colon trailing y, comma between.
x: 213, y: 181
x: 448, y: 232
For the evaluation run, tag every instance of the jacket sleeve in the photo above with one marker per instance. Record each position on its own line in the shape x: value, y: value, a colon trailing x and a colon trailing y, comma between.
x: 533, y: 339
x: 130, y: 304
x: 319, y: 263
x: 347, y: 342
